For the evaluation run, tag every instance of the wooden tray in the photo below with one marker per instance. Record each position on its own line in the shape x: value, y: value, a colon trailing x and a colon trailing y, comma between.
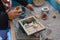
x: 31, y: 28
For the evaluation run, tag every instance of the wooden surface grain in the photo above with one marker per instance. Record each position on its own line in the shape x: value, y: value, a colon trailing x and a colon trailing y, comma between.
x: 12, y: 30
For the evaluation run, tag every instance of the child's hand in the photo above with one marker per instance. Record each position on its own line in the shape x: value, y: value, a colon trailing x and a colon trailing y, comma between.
x: 29, y: 6
x: 14, y: 14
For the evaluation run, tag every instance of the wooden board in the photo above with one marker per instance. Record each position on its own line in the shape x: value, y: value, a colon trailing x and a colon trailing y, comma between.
x: 12, y: 30
x: 31, y: 29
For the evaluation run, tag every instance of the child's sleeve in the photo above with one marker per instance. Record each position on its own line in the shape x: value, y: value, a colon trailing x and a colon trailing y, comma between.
x: 23, y: 2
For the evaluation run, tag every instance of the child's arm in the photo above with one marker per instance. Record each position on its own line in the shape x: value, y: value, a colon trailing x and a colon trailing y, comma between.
x: 23, y: 2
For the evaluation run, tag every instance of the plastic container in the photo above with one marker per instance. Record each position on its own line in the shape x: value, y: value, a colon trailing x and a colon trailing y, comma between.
x: 45, y: 9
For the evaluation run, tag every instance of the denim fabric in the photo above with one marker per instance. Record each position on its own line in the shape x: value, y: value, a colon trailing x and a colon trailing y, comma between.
x: 3, y: 34
x: 1, y: 38
x: 9, y: 35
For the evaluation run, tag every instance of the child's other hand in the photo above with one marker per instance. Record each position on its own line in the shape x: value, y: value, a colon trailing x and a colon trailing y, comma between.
x: 30, y: 6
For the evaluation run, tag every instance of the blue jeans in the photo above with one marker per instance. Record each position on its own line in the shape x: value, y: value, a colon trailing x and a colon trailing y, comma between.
x: 4, y: 34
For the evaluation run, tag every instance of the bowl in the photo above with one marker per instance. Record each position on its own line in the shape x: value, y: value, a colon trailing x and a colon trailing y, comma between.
x: 45, y: 9
x: 38, y: 2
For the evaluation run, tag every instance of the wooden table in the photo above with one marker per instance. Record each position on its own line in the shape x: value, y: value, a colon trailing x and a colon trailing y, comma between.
x: 13, y: 33
x: 53, y: 24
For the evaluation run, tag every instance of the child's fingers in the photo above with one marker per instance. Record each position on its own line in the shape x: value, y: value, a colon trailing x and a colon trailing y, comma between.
x: 20, y: 11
